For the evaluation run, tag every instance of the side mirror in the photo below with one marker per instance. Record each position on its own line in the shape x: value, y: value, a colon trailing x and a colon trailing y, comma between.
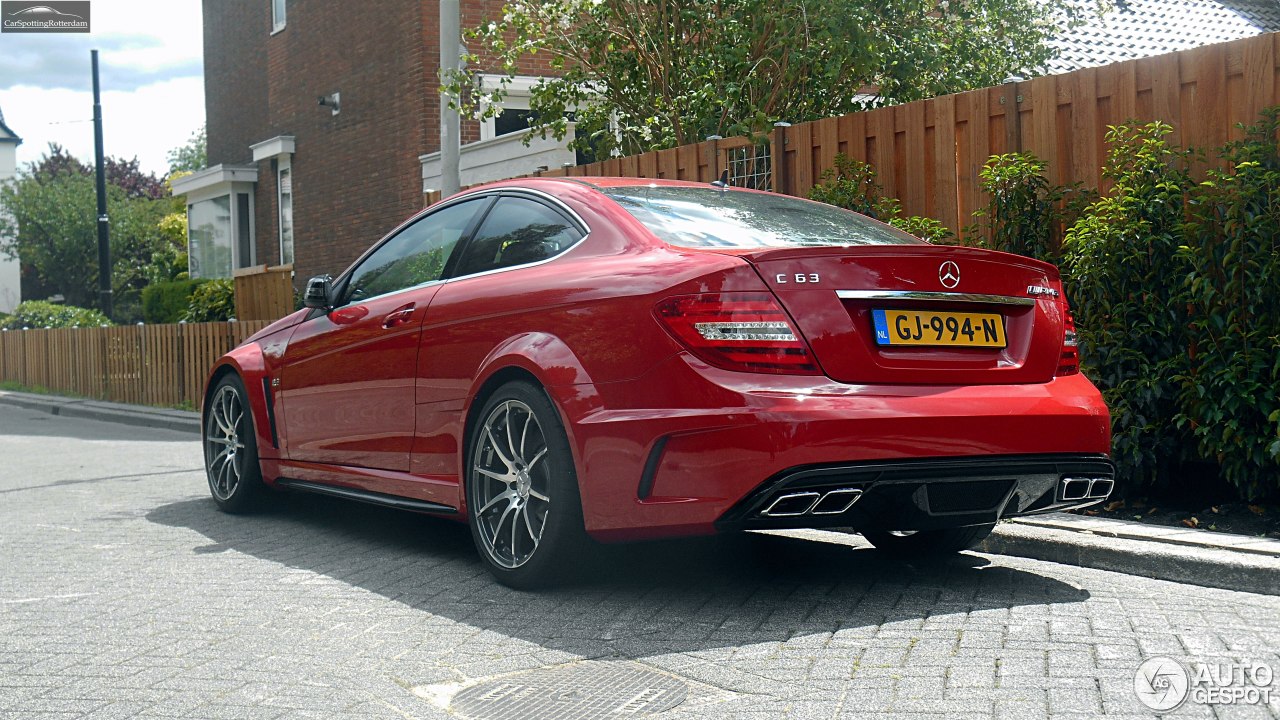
x: 317, y: 294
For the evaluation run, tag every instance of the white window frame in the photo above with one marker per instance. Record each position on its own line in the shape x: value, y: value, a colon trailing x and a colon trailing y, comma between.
x: 285, y: 164
x: 519, y: 93
x: 279, y: 15
x: 224, y: 181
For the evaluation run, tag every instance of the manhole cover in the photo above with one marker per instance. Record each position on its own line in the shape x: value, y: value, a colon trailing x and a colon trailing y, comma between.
x: 573, y: 692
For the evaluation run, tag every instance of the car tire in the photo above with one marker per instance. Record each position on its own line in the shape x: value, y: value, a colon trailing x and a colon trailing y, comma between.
x: 928, y: 543
x: 231, y: 449
x: 523, y: 504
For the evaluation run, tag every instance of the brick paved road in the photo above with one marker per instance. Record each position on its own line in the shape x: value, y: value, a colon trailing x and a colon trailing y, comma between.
x: 124, y: 593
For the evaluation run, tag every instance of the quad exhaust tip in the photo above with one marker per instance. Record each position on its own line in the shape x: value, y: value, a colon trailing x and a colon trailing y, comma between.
x: 1075, y: 488
x: 810, y: 502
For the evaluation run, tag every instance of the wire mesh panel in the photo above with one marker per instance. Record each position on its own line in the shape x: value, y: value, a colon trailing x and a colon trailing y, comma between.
x: 750, y: 166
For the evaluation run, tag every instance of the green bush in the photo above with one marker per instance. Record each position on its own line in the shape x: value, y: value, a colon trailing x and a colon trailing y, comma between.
x: 1026, y: 214
x: 167, y: 302
x: 212, y: 301
x: 1230, y: 394
x: 852, y: 185
x: 41, y: 314
x: 1124, y: 275
x: 925, y: 228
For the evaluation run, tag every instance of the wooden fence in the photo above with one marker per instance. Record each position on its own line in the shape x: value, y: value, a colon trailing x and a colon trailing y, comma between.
x: 928, y: 153
x: 143, y: 364
x: 264, y: 293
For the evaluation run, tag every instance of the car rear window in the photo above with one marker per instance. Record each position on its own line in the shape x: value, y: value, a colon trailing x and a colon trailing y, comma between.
x: 714, y: 218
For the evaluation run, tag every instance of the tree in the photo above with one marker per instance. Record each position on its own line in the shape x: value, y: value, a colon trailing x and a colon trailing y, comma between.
x: 638, y: 75
x: 191, y: 156
x: 49, y: 214
x: 124, y: 174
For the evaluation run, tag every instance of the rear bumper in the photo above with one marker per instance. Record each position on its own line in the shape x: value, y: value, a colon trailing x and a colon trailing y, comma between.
x: 923, y: 494
x: 690, y: 449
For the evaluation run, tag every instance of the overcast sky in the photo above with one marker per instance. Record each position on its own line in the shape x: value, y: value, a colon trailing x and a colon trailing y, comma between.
x: 150, y: 56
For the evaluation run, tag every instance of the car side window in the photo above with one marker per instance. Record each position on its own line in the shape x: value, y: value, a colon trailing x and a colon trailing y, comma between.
x: 414, y: 256
x: 517, y: 231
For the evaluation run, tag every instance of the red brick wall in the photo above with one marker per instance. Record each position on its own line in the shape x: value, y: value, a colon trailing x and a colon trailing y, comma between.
x: 235, y: 66
x: 356, y: 175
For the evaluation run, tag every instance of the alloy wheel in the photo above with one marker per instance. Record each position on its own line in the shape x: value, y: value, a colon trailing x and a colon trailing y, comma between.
x: 510, y: 484
x: 224, y: 444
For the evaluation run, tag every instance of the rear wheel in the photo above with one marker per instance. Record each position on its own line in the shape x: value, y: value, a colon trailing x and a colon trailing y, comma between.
x: 231, y: 449
x: 522, y: 491
x: 928, y: 543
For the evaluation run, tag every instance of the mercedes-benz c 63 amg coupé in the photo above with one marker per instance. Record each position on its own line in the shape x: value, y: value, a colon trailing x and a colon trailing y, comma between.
x: 559, y: 360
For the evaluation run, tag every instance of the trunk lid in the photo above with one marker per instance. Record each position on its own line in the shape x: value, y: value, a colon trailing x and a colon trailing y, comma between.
x: 839, y: 296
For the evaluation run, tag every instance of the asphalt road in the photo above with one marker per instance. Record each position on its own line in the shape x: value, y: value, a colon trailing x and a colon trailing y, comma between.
x: 125, y: 593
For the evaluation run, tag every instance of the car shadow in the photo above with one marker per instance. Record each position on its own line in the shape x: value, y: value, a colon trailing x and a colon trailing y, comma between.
x: 632, y: 600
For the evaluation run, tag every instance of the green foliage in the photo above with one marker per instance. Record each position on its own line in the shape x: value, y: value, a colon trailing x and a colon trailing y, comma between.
x: 48, y: 213
x: 212, y: 301
x: 638, y: 76
x: 169, y: 258
x: 1123, y: 274
x: 40, y: 314
x: 925, y: 228
x: 1026, y: 214
x: 1230, y: 395
x: 852, y: 185
x: 167, y: 302
x: 191, y: 155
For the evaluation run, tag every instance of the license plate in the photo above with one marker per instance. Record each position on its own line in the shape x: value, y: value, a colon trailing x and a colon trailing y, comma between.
x: 946, y: 329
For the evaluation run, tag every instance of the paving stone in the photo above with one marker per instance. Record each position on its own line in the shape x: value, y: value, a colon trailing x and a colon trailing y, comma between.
x: 129, y: 595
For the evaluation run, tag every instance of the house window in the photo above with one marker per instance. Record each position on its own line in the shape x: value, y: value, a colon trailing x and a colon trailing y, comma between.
x: 511, y: 120
x: 209, y: 232
x: 220, y: 235
x: 277, y: 15
x: 285, y: 184
x: 514, y: 115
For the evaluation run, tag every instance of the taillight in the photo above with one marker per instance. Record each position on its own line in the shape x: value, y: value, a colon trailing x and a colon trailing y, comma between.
x: 1069, y: 362
x: 738, y: 331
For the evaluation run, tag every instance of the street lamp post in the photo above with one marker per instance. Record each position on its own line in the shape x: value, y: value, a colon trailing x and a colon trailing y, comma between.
x: 104, y: 228
x: 450, y: 124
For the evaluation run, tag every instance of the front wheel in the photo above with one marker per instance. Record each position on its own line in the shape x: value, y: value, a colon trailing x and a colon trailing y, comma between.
x: 928, y: 543
x: 522, y: 491
x: 231, y: 449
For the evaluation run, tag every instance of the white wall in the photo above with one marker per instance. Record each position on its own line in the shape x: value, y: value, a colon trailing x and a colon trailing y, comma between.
x: 10, y: 279
x: 500, y: 158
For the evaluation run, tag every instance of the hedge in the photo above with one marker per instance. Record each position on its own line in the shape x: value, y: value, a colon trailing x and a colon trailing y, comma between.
x: 167, y: 302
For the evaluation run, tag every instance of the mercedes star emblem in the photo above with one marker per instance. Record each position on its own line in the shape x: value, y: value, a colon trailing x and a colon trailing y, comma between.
x: 949, y: 274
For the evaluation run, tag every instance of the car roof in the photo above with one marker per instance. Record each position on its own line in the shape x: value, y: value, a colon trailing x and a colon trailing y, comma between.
x: 593, y: 182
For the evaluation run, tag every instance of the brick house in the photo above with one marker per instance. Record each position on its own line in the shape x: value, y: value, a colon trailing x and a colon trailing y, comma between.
x: 323, y: 127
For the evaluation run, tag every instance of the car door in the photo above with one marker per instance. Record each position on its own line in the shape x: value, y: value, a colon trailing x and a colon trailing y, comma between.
x: 475, y: 310
x: 347, y: 381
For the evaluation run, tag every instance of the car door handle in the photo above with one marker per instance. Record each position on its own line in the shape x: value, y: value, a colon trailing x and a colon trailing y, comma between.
x: 399, y: 316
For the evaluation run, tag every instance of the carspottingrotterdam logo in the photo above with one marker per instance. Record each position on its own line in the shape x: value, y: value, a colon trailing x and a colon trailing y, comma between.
x: 69, y: 16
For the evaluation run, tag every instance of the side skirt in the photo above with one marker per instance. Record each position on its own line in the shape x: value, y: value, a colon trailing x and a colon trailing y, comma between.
x: 366, y: 496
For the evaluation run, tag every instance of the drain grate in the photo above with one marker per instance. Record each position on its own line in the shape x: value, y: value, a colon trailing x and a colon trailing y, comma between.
x: 582, y: 691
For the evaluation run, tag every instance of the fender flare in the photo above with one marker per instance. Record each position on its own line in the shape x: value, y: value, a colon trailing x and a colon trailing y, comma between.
x: 248, y: 362
x: 553, y: 365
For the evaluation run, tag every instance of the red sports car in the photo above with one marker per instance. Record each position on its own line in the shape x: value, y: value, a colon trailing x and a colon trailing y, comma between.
x: 554, y: 360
